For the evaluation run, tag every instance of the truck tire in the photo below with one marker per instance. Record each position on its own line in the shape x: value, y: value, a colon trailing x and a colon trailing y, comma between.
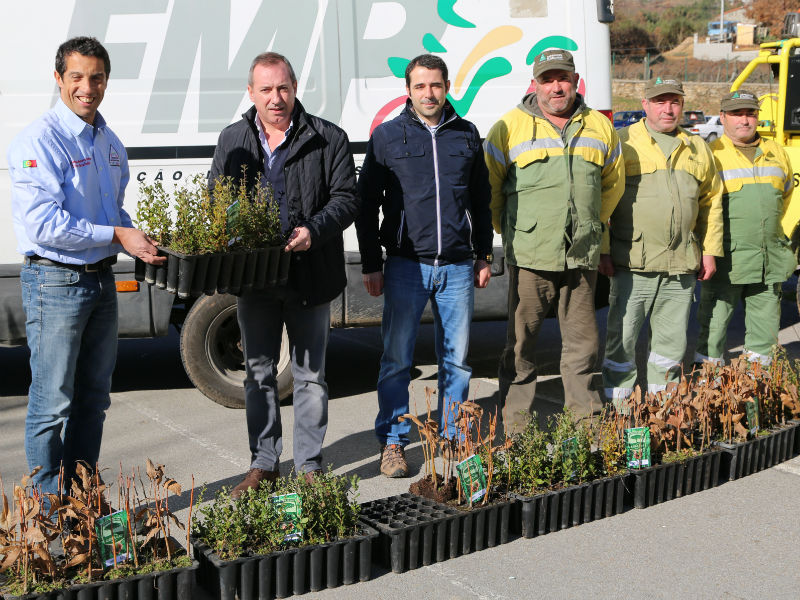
x: 211, y: 351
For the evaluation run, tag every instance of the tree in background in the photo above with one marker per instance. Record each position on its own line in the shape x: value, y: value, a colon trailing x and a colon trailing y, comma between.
x: 771, y: 13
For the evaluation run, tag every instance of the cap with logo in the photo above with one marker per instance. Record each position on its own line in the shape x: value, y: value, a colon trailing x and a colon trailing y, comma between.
x: 550, y: 60
x: 739, y: 99
x: 657, y: 86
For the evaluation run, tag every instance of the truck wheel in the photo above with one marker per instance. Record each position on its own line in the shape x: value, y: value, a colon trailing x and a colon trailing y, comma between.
x: 211, y: 351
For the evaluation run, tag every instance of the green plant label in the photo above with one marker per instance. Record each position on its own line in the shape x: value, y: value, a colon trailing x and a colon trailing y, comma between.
x: 232, y: 220
x: 637, y: 447
x: 472, y: 477
x: 291, y: 507
x: 753, y: 421
x: 112, y: 538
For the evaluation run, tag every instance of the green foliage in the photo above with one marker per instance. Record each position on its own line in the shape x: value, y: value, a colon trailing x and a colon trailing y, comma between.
x: 662, y: 27
x: 528, y: 462
x: 252, y: 523
x: 201, y: 223
x: 572, y: 454
x: 152, y: 213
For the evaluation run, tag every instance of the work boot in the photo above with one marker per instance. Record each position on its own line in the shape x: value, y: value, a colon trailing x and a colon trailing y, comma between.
x: 253, y: 479
x: 393, y: 461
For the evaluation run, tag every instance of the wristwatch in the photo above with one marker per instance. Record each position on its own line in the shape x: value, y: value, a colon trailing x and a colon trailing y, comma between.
x: 487, y: 258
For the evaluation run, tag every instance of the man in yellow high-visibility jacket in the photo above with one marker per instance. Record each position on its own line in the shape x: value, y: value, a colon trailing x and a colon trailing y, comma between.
x: 757, y: 185
x: 665, y: 234
x: 556, y: 174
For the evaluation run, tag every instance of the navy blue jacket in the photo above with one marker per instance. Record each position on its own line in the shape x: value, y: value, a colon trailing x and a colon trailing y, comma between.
x: 434, y: 192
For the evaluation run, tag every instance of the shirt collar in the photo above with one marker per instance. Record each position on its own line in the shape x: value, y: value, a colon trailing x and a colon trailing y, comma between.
x: 262, y: 136
x: 73, y: 122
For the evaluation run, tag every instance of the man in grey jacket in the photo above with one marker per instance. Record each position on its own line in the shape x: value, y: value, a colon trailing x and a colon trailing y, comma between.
x: 308, y: 163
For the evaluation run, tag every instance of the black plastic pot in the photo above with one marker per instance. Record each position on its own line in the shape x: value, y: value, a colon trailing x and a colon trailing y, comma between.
x: 673, y: 480
x: 176, y: 584
x: 274, y: 261
x: 414, y: 531
x: 173, y: 260
x: 571, y: 506
x: 139, y: 269
x: 249, y: 274
x: 199, y: 276
x: 293, y: 571
x: 283, y: 267
x: 212, y: 274
x: 225, y: 272
x: 237, y: 275
x: 261, y: 268
x: 486, y: 526
x: 740, y: 459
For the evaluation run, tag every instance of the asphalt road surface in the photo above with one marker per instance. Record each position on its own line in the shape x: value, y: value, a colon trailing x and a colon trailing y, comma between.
x: 739, y: 540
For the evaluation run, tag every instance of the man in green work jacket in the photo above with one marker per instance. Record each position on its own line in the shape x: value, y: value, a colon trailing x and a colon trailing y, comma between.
x: 665, y: 234
x: 556, y: 173
x: 757, y: 185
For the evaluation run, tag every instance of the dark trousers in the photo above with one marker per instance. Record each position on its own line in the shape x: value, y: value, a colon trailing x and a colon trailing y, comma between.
x: 531, y: 294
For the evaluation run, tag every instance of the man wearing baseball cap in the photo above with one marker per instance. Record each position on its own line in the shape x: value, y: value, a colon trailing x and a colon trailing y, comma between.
x: 665, y: 234
x: 556, y: 174
x: 757, y: 185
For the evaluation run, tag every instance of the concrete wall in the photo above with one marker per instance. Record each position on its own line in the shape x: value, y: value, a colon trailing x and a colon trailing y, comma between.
x: 721, y: 52
x: 699, y: 96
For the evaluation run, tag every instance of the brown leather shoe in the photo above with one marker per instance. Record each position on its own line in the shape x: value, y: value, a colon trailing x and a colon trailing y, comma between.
x: 253, y: 479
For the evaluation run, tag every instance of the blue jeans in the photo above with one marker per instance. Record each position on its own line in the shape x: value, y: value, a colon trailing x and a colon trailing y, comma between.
x: 72, y: 335
x: 262, y: 315
x: 408, y: 285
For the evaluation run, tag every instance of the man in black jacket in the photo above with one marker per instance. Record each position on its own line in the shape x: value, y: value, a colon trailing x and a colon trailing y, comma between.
x: 307, y: 162
x: 425, y: 168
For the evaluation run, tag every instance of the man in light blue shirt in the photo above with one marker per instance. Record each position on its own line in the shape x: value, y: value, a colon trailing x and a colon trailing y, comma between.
x: 69, y: 172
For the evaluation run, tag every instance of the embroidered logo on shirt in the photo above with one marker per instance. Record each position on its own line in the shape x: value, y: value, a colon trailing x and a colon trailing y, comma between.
x: 82, y: 162
x: 113, y: 157
x: 26, y: 164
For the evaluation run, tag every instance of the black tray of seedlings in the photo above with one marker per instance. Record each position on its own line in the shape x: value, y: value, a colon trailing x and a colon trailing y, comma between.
x: 175, y: 584
x: 292, y: 571
x: 571, y: 506
x: 740, y: 459
x: 234, y: 272
x: 667, y: 481
x: 414, y: 531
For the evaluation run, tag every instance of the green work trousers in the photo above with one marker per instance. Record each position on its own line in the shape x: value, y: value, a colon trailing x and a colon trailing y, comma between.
x: 634, y: 296
x: 531, y: 296
x: 762, y: 312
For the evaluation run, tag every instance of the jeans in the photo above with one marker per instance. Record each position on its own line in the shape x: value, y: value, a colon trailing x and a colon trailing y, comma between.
x: 71, y: 324
x: 262, y: 315
x: 408, y: 285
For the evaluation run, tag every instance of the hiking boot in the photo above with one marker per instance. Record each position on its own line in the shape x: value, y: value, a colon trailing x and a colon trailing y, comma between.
x: 393, y: 461
x: 253, y: 479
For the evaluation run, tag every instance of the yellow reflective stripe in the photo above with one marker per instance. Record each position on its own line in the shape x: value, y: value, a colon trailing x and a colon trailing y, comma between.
x: 493, y: 151
x: 529, y: 145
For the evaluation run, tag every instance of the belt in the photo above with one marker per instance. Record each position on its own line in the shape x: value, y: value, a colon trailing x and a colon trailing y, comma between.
x: 92, y: 268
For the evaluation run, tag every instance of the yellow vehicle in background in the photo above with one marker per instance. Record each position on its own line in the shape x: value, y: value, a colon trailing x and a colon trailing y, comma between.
x: 779, y: 116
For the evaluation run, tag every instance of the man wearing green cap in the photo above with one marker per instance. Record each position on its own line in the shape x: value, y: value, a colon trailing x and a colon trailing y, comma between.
x: 556, y: 174
x: 757, y: 185
x: 665, y: 234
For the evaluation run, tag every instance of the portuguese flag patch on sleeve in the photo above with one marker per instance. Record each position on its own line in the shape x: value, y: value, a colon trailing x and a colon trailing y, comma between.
x: 26, y: 164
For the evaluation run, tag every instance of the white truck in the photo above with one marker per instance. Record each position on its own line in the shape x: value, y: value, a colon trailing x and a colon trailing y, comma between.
x: 179, y: 75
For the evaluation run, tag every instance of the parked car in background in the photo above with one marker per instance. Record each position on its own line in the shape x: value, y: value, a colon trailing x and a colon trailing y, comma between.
x: 692, y: 118
x: 710, y: 130
x: 624, y: 118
